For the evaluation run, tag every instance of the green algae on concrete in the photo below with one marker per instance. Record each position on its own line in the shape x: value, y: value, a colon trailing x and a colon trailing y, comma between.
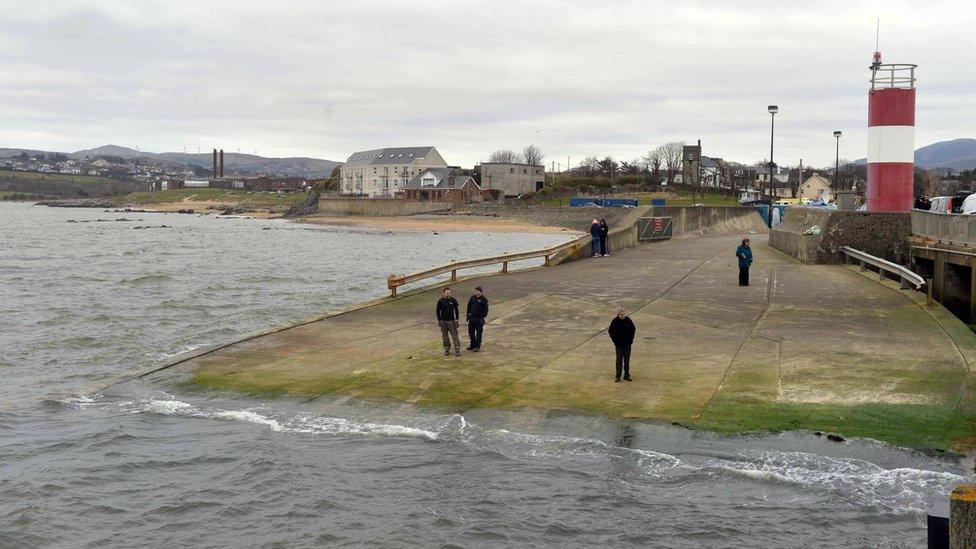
x: 815, y: 347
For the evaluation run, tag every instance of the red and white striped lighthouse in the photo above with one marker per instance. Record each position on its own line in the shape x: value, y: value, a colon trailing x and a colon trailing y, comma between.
x: 891, y: 137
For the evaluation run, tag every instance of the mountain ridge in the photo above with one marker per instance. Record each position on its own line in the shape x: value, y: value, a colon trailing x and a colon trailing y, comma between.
x: 250, y: 164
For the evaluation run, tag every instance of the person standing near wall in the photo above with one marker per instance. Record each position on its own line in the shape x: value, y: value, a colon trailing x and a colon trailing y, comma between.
x: 476, y: 314
x: 447, y: 318
x: 604, y: 237
x: 595, y: 237
x: 744, y: 253
x: 622, y: 331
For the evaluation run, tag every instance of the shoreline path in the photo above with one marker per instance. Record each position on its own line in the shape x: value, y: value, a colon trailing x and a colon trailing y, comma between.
x: 819, y: 347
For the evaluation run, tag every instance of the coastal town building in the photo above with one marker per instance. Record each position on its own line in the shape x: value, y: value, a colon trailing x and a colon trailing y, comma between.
x: 384, y: 172
x: 817, y: 187
x: 442, y: 185
x: 512, y: 179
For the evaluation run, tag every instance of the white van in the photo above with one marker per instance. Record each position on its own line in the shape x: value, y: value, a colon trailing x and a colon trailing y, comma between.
x: 940, y: 204
x: 969, y: 205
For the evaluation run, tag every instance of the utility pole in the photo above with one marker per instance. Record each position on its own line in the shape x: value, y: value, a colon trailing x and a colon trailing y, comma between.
x: 772, y: 109
x: 799, y: 180
x: 837, y: 135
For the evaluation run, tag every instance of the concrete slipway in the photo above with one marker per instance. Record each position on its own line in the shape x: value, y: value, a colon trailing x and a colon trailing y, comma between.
x: 805, y: 347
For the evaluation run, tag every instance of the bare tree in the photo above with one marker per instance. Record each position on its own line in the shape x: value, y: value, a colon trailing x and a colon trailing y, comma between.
x: 670, y: 154
x: 532, y: 155
x: 652, y: 163
x: 589, y: 166
x: 926, y: 182
x: 505, y: 156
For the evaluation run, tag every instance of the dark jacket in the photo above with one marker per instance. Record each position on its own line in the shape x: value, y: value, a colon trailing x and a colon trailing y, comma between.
x: 477, y: 307
x: 622, y: 331
x: 595, y: 230
x: 604, y: 230
x: 744, y: 253
x: 447, y: 309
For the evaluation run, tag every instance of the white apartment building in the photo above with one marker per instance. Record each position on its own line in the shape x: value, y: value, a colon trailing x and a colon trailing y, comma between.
x: 384, y: 172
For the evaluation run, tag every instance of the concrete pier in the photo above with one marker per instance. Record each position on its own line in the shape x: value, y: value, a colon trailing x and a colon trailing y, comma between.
x: 819, y: 347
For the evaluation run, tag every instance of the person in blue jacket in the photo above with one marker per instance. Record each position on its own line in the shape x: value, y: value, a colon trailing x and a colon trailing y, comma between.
x: 744, y: 253
x: 595, y: 234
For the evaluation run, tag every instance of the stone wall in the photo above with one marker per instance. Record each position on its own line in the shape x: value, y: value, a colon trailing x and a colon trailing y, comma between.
x: 882, y: 234
x: 697, y: 220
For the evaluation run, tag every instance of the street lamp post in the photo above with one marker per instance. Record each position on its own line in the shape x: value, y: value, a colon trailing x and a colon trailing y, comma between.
x: 837, y: 134
x: 773, y: 109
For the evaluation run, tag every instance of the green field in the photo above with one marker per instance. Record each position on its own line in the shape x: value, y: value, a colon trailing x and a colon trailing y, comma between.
x: 57, y: 177
x: 671, y: 199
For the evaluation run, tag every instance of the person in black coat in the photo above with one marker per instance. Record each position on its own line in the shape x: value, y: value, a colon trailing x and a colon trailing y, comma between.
x: 447, y: 319
x: 595, y: 238
x: 476, y: 314
x: 622, y: 332
x: 604, y: 233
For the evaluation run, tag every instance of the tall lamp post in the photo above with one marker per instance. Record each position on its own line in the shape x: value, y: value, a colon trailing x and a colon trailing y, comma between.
x: 773, y: 109
x: 837, y: 134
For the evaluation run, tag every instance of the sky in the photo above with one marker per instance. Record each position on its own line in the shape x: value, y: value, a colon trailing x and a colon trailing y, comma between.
x: 326, y: 79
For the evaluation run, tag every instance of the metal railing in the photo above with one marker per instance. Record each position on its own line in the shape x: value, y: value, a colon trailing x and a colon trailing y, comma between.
x: 395, y: 281
x: 944, y: 226
x: 893, y: 75
x: 907, y: 276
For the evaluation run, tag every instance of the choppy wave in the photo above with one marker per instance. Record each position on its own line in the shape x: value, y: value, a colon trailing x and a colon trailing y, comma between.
x: 147, y: 279
x: 897, y: 490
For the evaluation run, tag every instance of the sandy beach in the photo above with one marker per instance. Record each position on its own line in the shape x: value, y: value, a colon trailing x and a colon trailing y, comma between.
x: 440, y: 223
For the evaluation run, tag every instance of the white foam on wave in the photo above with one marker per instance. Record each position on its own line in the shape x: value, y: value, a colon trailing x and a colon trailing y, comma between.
x: 339, y: 426
x: 78, y: 400
x: 166, y: 407
x: 899, y: 490
x: 248, y: 417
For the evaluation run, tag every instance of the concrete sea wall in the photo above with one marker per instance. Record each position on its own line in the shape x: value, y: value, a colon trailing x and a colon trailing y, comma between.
x: 882, y: 234
x: 372, y: 207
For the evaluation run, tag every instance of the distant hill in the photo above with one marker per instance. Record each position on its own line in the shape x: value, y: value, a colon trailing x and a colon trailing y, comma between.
x: 233, y: 162
x: 957, y: 154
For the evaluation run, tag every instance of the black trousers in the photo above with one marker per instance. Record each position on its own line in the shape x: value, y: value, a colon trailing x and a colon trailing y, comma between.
x: 623, y: 360
x: 743, y: 276
x: 603, y: 245
x: 476, y: 328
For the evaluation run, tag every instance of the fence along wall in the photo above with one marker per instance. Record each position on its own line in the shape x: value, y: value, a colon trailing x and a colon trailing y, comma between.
x: 944, y: 226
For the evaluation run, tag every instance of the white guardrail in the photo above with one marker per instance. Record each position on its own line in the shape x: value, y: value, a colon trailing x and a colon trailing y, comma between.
x: 908, y: 277
x: 395, y: 281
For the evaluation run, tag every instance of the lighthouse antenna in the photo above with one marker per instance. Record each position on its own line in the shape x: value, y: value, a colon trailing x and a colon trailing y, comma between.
x: 877, y: 35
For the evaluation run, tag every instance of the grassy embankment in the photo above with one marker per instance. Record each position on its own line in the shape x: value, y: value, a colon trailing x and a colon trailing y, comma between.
x: 680, y: 198
x: 56, y: 177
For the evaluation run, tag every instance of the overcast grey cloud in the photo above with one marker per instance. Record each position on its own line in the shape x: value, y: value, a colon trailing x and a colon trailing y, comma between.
x: 576, y: 78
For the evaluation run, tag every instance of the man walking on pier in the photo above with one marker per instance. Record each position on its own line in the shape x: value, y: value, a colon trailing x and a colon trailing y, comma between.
x: 447, y: 318
x: 744, y: 253
x: 477, y: 312
x: 622, y: 332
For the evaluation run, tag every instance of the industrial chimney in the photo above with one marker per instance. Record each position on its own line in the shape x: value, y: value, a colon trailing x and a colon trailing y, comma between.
x: 215, y: 164
x: 221, y: 162
x: 891, y: 137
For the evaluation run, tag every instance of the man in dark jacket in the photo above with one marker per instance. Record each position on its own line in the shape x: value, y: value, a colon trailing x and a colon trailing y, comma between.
x: 595, y: 238
x: 604, y: 237
x: 744, y: 253
x: 477, y: 312
x: 447, y: 318
x: 622, y: 332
